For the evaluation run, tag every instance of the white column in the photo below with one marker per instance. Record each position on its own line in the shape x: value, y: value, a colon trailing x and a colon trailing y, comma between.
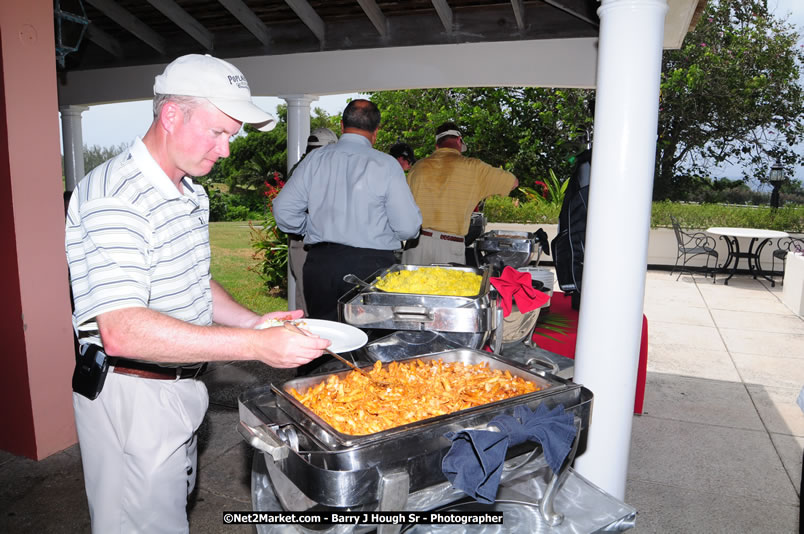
x: 73, y: 142
x: 298, y: 132
x: 617, y: 228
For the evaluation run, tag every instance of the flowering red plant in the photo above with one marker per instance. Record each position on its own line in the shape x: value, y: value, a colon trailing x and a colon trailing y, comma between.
x: 271, y: 190
x: 543, y: 186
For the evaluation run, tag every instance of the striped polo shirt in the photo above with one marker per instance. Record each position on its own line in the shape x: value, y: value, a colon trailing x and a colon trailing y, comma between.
x: 133, y: 240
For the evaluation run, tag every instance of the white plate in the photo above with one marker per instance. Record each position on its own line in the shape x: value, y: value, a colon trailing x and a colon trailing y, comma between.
x: 344, y: 337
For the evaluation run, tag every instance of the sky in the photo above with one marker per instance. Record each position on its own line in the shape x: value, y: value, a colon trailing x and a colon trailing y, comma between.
x: 112, y: 124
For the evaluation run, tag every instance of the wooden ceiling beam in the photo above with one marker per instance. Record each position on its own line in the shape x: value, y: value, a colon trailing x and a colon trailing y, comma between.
x: 248, y: 19
x: 105, y: 41
x: 375, y: 15
x: 519, y: 13
x: 131, y: 24
x: 185, y: 21
x: 444, y: 13
x: 578, y: 9
x: 310, y: 18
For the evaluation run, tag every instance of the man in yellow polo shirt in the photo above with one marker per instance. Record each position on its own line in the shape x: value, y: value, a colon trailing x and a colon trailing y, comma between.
x: 447, y: 187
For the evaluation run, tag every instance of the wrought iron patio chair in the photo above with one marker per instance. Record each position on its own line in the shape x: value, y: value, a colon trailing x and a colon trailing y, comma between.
x: 783, y: 246
x: 691, y: 245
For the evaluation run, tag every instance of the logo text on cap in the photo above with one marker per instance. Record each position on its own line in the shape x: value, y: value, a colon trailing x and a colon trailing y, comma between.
x: 239, y: 80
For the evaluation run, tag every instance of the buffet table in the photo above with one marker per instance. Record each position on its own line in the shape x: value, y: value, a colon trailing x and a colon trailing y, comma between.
x: 559, y: 336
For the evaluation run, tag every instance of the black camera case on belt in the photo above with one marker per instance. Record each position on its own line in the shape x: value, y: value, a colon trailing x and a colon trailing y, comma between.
x: 91, y: 366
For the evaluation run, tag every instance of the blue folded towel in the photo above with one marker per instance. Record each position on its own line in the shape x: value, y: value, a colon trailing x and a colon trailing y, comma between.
x: 475, y: 460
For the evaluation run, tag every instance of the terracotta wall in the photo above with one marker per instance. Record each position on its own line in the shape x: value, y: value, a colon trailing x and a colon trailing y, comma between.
x: 37, y: 352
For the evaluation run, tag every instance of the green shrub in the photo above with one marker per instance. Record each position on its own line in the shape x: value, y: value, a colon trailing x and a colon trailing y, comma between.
x: 787, y: 218
x: 271, y: 246
x: 217, y: 205
x: 510, y: 210
x: 237, y: 213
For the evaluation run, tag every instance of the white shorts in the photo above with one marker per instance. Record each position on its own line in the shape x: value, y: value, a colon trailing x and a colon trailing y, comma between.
x: 138, y: 449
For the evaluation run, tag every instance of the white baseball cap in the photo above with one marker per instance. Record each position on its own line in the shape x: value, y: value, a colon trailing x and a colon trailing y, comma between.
x: 216, y: 80
x: 454, y: 133
x: 321, y: 137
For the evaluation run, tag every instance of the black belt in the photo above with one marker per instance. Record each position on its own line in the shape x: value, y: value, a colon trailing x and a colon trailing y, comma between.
x: 445, y: 237
x: 153, y: 371
x: 323, y: 244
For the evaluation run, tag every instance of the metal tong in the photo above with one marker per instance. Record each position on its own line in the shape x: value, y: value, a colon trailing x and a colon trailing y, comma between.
x: 290, y: 325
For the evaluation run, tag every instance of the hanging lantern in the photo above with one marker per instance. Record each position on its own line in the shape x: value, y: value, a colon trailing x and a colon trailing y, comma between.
x: 71, y: 24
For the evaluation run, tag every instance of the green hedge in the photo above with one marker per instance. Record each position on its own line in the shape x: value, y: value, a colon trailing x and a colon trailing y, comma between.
x: 510, y: 210
x: 788, y: 218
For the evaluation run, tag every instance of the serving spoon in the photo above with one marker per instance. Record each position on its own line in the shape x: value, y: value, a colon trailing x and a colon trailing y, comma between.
x: 353, y: 279
x: 290, y: 325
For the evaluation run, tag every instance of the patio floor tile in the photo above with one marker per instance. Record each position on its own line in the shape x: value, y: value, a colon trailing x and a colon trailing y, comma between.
x: 764, y: 322
x: 665, y: 508
x: 693, y: 456
x: 778, y: 409
x: 764, y: 343
x: 688, y: 361
x: 770, y: 370
x: 697, y: 400
x: 693, y: 336
x: 661, y: 311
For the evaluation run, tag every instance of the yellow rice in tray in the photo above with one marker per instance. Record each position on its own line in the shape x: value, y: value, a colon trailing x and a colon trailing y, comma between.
x: 432, y: 281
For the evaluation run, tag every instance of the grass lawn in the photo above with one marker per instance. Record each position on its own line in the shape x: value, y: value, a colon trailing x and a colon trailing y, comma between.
x: 232, y: 258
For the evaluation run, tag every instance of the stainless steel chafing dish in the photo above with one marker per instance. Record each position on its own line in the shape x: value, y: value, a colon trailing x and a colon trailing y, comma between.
x: 467, y: 321
x: 314, y: 467
x: 500, y: 248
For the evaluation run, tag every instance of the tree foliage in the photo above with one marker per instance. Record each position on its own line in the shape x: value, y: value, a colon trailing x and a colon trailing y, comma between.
x: 528, y: 131
x: 256, y: 156
x: 732, y: 94
x: 95, y: 155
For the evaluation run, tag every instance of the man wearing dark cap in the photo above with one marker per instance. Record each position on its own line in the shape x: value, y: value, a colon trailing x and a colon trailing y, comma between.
x: 352, y: 205
x: 447, y: 187
x: 403, y: 154
x: 147, y: 313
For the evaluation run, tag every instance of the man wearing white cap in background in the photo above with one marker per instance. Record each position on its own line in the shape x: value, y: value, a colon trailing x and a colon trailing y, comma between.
x: 146, y: 311
x: 317, y: 138
x: 447, y: 187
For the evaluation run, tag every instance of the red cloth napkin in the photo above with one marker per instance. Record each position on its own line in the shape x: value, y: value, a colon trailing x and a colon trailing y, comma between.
x: 516, y: 286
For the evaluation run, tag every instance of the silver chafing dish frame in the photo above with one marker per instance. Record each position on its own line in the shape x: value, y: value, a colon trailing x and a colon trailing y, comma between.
x: 485, y: 283
x: 376, y: 309
x: 355, y: 471
x: 332, y: 439
x: 506, y: 247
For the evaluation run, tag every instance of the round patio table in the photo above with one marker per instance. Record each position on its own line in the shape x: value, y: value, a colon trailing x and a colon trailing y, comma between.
x: 731, y: 235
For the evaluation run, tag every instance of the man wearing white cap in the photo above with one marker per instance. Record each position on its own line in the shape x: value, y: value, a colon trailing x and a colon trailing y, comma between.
x: 317, y: 138
x: 146, y: 311
x: 447, y: 187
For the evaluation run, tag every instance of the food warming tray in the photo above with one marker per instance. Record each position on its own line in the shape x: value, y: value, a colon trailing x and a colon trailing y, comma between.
x: 334, y: 440
x: 372, y: 308
x: 500, y: 248
x: 375, y: 278
x: 340, y: 470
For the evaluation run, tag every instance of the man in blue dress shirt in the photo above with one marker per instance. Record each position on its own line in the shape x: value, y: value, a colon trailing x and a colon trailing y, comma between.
x: 353, y: 206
